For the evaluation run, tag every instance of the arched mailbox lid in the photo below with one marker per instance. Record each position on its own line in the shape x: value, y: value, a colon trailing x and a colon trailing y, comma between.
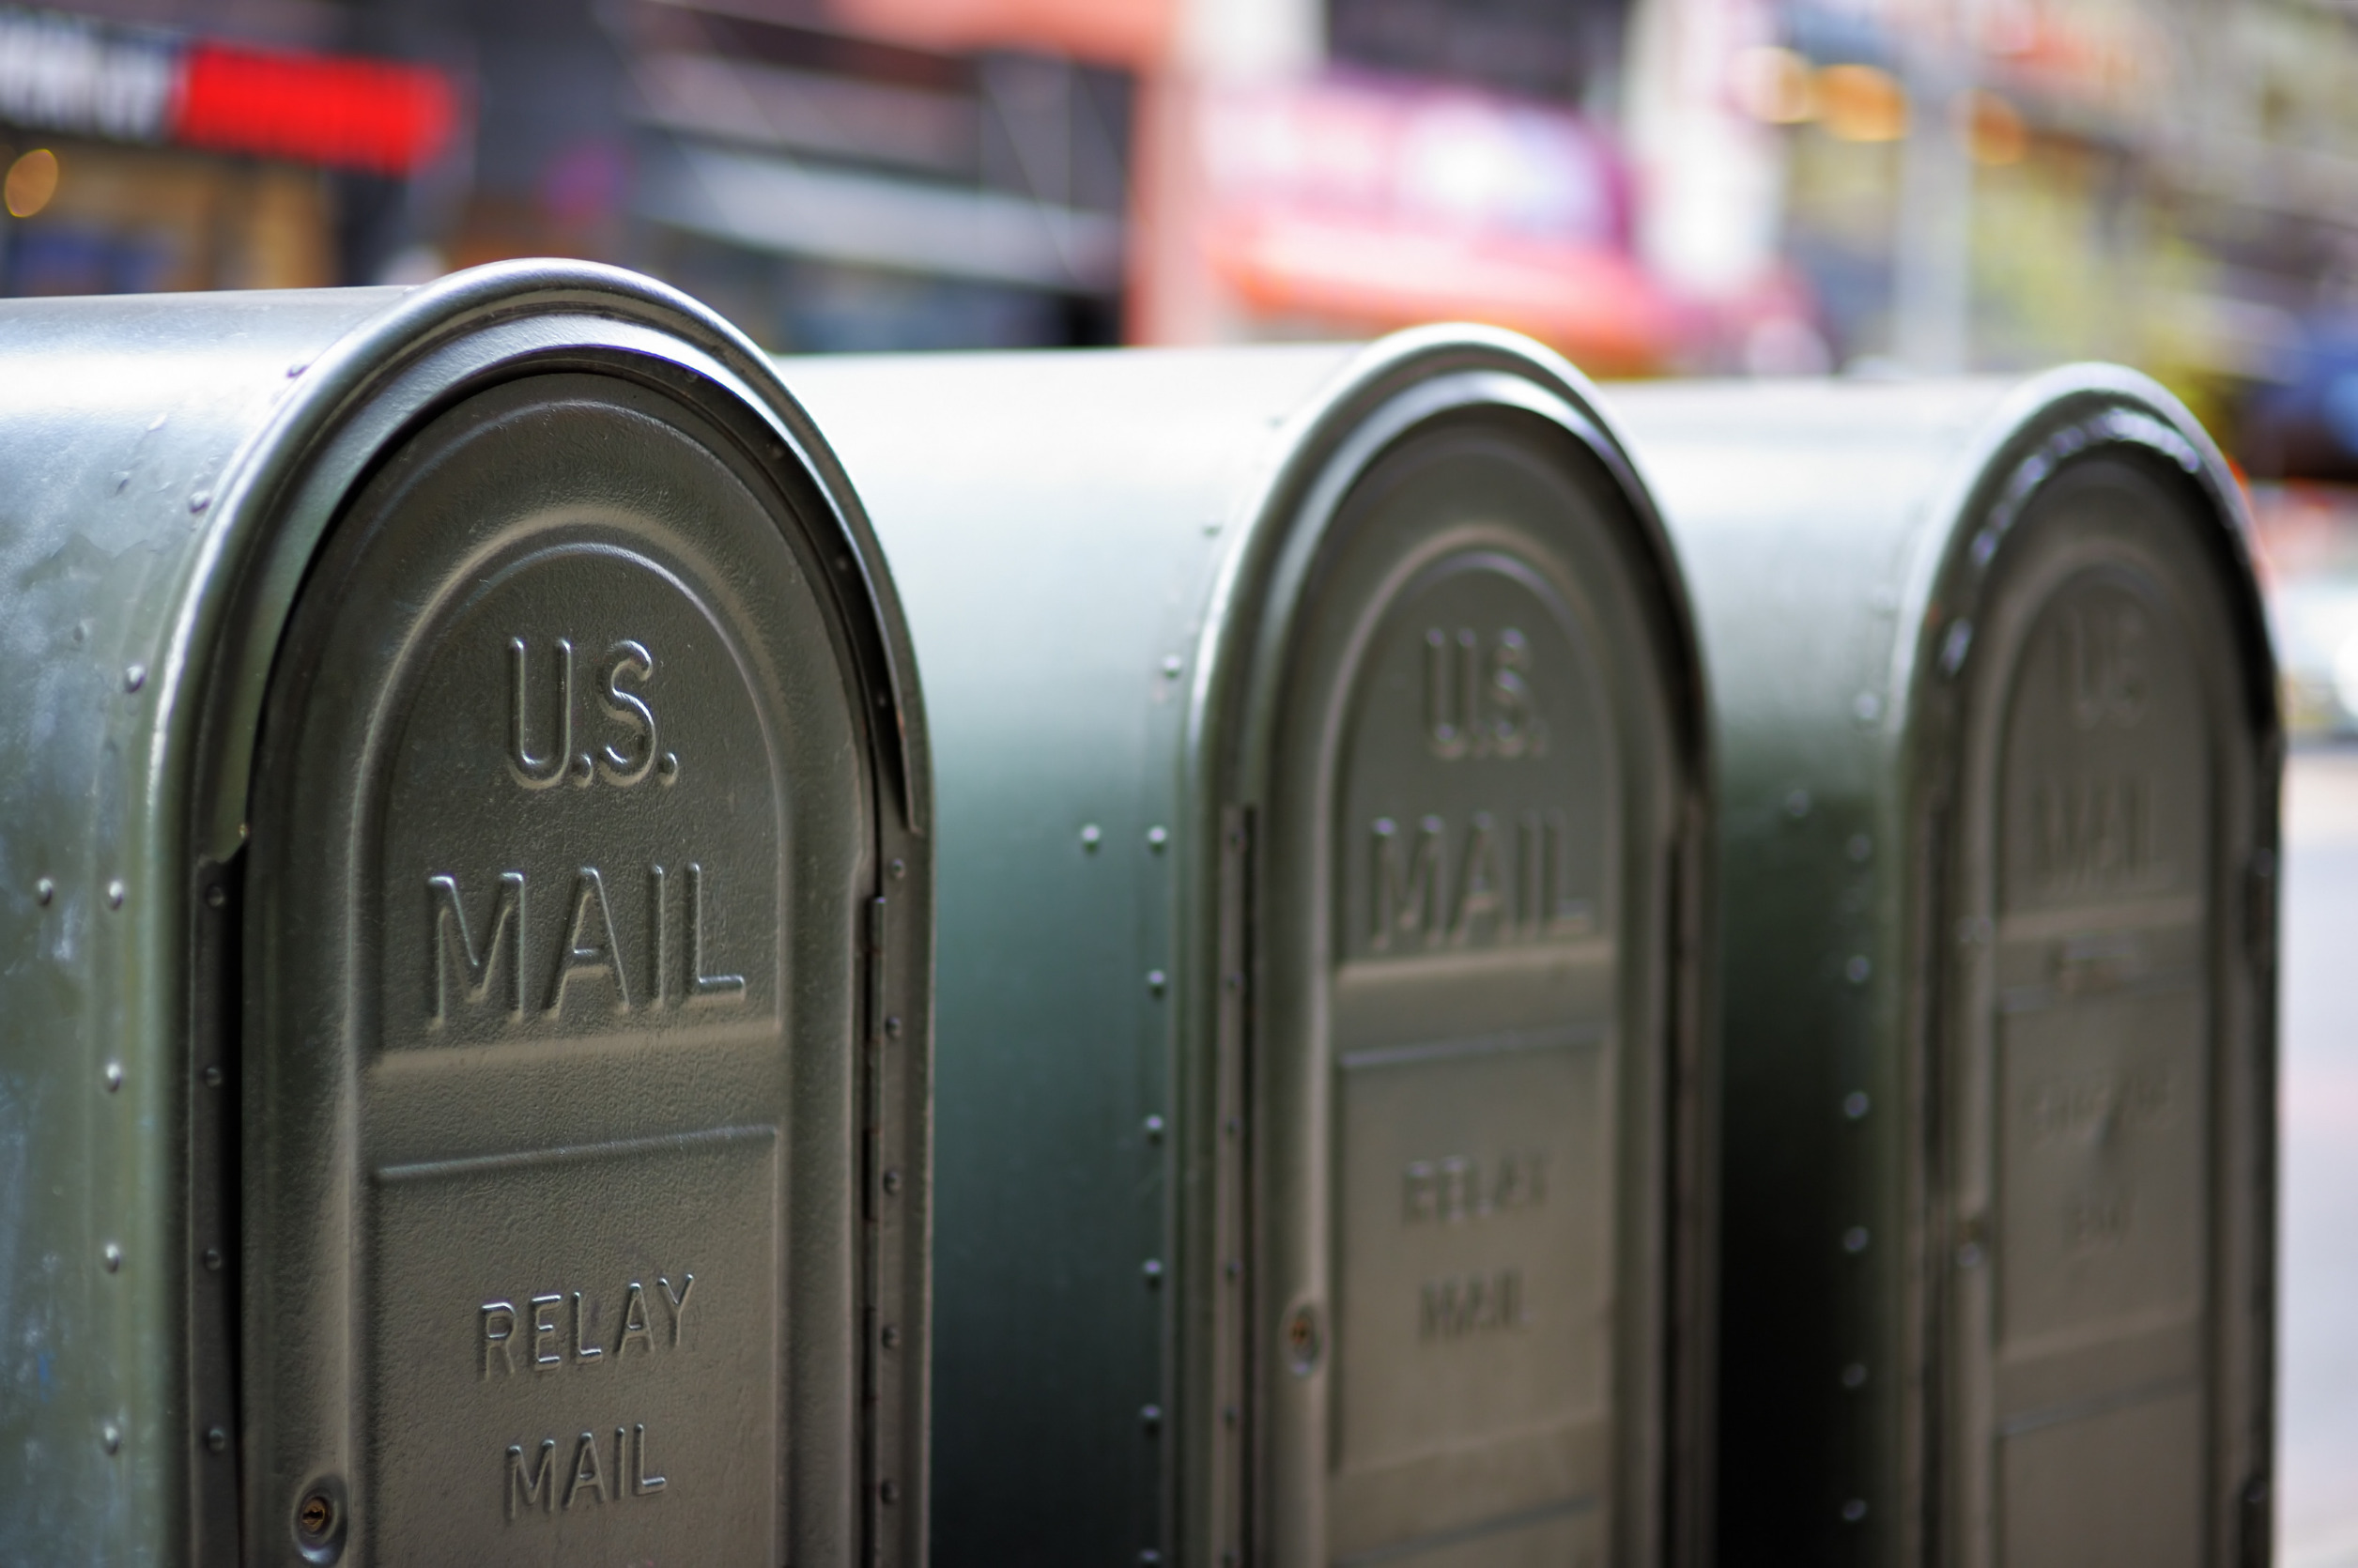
x: 1996, y: 712
x: 1321, y: 772
x: 469, y: 1041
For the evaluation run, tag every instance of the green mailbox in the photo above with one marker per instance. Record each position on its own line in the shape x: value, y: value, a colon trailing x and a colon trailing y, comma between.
x: 1996, y: 734
x: 1319, y: 743
x: 463, y: 1038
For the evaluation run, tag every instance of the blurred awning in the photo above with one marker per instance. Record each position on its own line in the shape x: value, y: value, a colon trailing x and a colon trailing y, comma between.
x: 1379, y: 203
x: 776, y: 202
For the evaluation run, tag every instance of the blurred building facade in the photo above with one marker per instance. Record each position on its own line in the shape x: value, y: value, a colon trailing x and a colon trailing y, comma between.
x: 1654, y: 186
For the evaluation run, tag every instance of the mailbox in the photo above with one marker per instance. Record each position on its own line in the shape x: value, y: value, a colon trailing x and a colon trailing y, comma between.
x: 466, y: 885
x: 1319, y: 741
x: 1998, y: 750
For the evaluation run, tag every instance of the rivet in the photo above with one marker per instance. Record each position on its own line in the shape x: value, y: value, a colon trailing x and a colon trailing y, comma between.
x: 1157, y: 837
x: 1857, y: 969
x: 1152, y: 1271
x: 1156, y: 980
x: 212, y: 1078
x: 1090, y: 834
x: 217, y: 896
x: 1798, y: 805
x: 115, y: 893
x: 1855, y: 1240
x: 112, y: 1256
x: 111, y: 1438
x: 1149, y: 1556
x: 114, y: 1076
x: 1229, y: 1415
x: 1172, y: 665
x: 134, y: 677
x: 45, y: 890
x: 1854, y: 1375
x: 212, y: 1259
x: 1860, y: 847
x: 200, y: 500
x: 899, y: 868
x: 217, y: 1440
x: 1235, y: 1268
x: 1235, y: 1126
x: 892, y: 1027
x: 1854, y: 1511
x: 1154, y: 1129
x: 1855, y: 1105
x: 892, y: 1181
x: 1866, y: 707
x: 1150, y: 1416
x: 891, y: 1336
x: 888, y: 1492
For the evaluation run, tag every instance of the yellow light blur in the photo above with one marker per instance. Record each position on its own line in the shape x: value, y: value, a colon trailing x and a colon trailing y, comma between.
x: 1861, y: 103
x: 1993, y: 129
x: 32, y: 182
x: 1773, y: 85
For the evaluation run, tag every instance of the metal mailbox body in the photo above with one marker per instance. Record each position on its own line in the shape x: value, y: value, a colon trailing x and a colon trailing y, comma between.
x: 465, y: 894
x: 1321, y: 792
x: 1999, y: 751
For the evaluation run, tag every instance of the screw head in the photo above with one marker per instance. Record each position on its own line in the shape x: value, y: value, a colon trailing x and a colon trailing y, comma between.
x: 114, y: 1076
x: 116, y: 893
x: 1854, y: 1511
x: 217, y: 1440
x: 892, y: 1181
x: 212, y: 1259
x: 111, y: 1438
x: 899, y: 868
x: 1150, y: 1416
x: 891, y: 1336
x: 217, y: 896
x: 1154, y: 1129
x: 1090, y: 835
x: 1855, y: 1105
x: 1157, y: 980
x: 888, y: 1492
x: 1172, y: 665
x: 1301, y: 1341
x: 1855, y: 1240
x: 45, y: 890
x: 1151, y: 1271
x: 134, y: 677
x: 1854, y: 1375
x: 212, y: 1078
x: 892, y: 1025
x: 1157, y: 837
x: 1857, y: 969
x: 111, y: 1256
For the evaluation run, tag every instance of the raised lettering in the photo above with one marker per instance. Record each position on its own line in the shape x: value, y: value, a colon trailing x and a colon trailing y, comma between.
x: 2103, y: 665
x: 582, y: 1350
x: 642, y: 1482
x: 447, y: 930
x: 2092, y: 833
x: 587, y: 1471
x: 539, y: 1486
x: 635, y: 1329
x: 1458, y: 1305
x: 544, y: 1328
x: 679, y: 1301
x: 700, y: 985
x: 1481, y: 886
x: 1478, y: 705
x: 1407, y: 898
x: 538, y: 771
x: 1457, y: 1188
x: 625, y: 768
x: 590, y: 947
x: 498, y: 1328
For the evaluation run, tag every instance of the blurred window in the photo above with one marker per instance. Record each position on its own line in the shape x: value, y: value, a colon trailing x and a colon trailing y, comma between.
x: 1564, y: 50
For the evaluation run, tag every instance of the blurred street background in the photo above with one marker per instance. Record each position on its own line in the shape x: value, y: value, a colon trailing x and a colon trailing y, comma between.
x: 1655, y: 187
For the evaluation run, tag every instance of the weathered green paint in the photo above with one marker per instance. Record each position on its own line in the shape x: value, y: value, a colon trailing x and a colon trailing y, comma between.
x: 173, y: 470
x: 1141, y: 585
x: 1882, y: 573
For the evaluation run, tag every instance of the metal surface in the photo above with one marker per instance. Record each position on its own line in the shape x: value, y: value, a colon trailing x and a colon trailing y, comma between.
x: 1995, y: 710
x: 1320, y: 747
x: 468, y: 803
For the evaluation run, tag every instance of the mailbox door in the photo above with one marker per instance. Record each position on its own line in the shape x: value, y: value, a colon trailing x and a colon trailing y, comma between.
x: 2093, y: 1105
x: 564, y: 822
x: 1461, y: 1061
